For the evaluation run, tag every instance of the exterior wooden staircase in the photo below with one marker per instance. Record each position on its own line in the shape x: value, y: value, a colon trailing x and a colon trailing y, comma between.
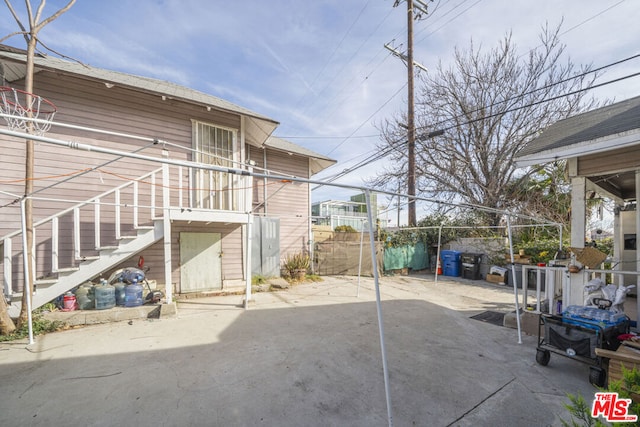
x: 57, y: 272
x: 116, y: 225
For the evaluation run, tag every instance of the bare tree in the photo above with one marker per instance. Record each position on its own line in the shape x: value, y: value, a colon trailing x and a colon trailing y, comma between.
x: 489, y: 105
x: 30, y: 34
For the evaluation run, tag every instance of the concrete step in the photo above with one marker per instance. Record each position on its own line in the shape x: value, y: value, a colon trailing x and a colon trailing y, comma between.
x: 115, y: 314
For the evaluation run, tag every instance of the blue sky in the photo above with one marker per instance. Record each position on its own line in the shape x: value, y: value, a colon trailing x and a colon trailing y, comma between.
x: 319, y: 67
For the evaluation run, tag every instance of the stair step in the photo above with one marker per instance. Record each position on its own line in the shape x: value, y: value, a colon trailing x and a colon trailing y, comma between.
x: 45, y: 281
x: 145, y: 227
x: 67, y: 270
x: 107, y: 248
x: 88, y: 258
x: 128, y: 237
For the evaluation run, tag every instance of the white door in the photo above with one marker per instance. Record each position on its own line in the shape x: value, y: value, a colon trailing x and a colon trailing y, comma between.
x: 200, y: 262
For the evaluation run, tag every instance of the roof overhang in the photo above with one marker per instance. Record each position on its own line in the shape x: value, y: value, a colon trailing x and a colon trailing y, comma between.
x: 317, y: 162
x: 12, y: 61
x: 595, y: 146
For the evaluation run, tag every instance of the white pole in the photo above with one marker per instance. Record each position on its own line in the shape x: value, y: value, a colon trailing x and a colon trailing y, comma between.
x: 513, y: 274
x: 166, y: 231
x: 27, y: 284
x: 247, y: 252
x: 385, y: 371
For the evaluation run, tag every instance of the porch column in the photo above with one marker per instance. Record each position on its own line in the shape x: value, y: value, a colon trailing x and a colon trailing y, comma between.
x: 618, y: 238
x: 578, y: 225
x: 166, y: 230
x: 248, y: 229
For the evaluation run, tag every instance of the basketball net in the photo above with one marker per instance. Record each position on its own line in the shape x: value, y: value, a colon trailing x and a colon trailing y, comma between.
x: 26, y: 112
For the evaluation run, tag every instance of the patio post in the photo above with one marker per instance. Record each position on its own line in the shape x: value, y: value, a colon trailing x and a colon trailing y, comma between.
x: 513, y: 274
x: 385, y: 370
x: 166, y: 227
x: 578, y: 227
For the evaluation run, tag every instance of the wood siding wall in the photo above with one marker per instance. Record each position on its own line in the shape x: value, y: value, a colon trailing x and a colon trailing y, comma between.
x: 289, y: 201
x: 91, y: 104
x: 232, y: 244
x: 624, y: 159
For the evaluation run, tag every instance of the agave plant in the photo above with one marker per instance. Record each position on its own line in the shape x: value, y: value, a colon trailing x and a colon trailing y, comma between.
x: 296, y: 264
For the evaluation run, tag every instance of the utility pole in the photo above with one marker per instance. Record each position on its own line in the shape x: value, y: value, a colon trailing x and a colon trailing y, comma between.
x: 411, y: 128
x: 411, y: 134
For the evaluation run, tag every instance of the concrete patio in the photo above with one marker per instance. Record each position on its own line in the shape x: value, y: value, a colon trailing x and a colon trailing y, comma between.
x: 309, y: 355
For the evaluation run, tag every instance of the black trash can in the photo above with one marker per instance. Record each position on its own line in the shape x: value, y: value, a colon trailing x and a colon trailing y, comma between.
x: 471, y: 265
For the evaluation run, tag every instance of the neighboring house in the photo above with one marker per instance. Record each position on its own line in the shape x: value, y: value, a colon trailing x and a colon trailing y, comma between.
x: 334, y: 213
x: 96, y: 212
x: 602, y: 150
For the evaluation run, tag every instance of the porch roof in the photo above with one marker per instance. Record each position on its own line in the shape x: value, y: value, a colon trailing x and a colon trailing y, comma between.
x: 591, y: 137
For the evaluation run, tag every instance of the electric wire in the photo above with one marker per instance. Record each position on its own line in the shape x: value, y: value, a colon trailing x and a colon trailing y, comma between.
x: 326, y: 63
x: 401, y: 143
x: 474, y: 4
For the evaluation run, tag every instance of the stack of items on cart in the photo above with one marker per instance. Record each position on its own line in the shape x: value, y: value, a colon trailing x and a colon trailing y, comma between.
x: 581, y: 331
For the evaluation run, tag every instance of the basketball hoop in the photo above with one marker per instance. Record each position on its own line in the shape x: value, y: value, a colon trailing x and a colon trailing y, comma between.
x: 25, y: 111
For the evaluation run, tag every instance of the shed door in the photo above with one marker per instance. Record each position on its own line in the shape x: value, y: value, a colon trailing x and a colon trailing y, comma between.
x: 200, y: 262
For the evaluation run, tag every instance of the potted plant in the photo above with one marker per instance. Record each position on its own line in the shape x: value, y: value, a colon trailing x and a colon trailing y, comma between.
x: 296, y: 265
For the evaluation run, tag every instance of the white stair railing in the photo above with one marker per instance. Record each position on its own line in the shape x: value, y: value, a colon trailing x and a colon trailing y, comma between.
x: 235, y: 197
x: 50, y: 226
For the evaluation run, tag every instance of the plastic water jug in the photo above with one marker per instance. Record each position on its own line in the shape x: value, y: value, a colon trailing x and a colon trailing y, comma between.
x: 120, y: 293
x: 85, y: 297
x: 105, y: 296
x: 133, y: 295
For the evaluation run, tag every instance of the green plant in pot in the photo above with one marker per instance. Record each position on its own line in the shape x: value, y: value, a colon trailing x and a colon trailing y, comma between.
x: 297, y: 265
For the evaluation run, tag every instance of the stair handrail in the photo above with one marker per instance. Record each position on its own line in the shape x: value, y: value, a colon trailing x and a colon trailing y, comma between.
x: 82, y: 204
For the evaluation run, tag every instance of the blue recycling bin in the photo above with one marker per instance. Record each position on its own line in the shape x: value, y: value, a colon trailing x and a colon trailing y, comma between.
x: 450, y: 263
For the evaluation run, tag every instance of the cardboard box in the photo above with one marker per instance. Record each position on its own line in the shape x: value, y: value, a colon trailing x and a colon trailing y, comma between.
x: 496, y: 278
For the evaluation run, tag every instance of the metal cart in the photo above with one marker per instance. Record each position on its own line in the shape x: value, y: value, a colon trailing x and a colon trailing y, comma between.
x: 577, y: 339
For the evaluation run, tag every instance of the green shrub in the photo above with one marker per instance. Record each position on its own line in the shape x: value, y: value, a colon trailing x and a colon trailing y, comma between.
x: 345, y: 228
x: 581, y: 410
x: 40, y: 326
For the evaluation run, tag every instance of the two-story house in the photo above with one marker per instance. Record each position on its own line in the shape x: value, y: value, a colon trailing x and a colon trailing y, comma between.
x: 197, y: 228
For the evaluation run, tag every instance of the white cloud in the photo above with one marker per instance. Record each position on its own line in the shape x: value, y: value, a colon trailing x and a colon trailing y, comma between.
x: 319, y: 68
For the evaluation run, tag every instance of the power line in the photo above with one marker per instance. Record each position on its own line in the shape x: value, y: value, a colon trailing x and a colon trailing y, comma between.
x: 334, y: 52
x: 401, y: 143
x: 368, y: 118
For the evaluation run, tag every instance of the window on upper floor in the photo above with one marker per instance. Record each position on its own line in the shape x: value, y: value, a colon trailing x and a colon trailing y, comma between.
x: 215, y: 146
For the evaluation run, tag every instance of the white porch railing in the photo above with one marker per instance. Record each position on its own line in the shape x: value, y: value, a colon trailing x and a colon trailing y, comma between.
x: 550, y: 279
x: 118, y: 215
x: 547, y: 280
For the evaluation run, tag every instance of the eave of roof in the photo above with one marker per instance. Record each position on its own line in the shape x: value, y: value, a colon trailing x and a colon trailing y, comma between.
x: 317, y: 162
x: 598, y: 130
x: 139, y: 83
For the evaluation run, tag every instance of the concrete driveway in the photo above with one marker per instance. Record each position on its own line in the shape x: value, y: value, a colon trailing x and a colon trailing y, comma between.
x: 307, y: 356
